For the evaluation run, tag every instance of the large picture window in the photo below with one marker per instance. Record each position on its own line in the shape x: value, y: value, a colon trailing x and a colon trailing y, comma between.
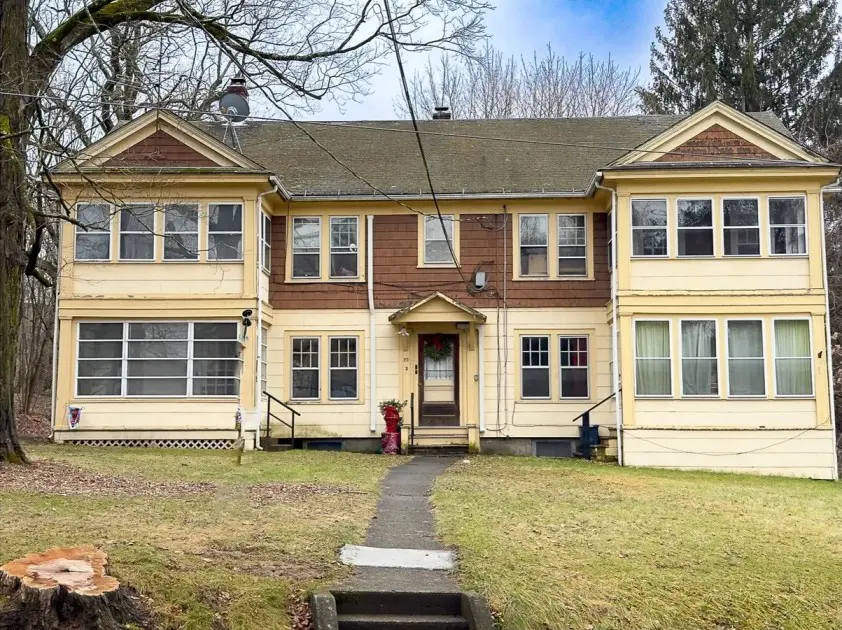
x: 93, y: 233
x: 573, y: 367
x: 181, y: 232
x: 534, y: 244
x: 649, y: 227
x: 699, y: 373
x: 653, y: 362
x: 343, y: 368
x: 535, y: 367
x: 137, y: 231
x: 158, y: 359
x: 305, y: 368
x: 740, y: 227
x: 344, y: 247
x: 788, y: 225
x: 793, y: 358
x: 695, y: 227
x: 746, y: 372
x: 306, y: 247
x: 437, y: 233
x: 572, y: 245
x: 225, y: 231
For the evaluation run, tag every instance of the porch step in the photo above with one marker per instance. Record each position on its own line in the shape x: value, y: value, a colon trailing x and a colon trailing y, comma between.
x: 392, y: 603
x: 439, y: 451
x: 391, y: 622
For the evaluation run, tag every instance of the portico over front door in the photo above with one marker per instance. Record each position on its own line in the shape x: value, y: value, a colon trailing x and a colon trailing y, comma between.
x: 438, y: 380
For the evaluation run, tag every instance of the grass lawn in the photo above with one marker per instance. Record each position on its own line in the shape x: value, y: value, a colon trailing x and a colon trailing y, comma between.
x: 560, y: 544
x: 213, y: 545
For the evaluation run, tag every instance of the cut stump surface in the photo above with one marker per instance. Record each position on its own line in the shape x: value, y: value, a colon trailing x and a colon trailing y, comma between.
x: 65, y: 588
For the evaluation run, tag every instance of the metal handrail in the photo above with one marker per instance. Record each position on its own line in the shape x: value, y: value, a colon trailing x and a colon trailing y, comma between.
x: 584, y: 441
x: 411, y: 421
x: 270, y: 415
x: 589, y: 409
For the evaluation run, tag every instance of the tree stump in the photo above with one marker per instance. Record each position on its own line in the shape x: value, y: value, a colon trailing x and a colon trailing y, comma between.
x: 65, y: 588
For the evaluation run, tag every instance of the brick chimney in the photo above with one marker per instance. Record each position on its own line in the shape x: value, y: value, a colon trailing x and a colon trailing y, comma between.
x: 442, y: 113
x: 237, y: 85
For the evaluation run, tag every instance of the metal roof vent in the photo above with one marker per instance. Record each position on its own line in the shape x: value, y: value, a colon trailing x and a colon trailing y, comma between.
x: 442, y: 113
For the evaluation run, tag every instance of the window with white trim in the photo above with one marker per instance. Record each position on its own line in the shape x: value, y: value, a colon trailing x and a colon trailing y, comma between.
x: 137, y: 231
x: 534, y: 244
x: 181, y: 231
x: 93, y: 231
x: 225, y: 231
x: 695, y: 227
x: 793, y: 358
x: 342, y: 369
x: 572, y: 245
x: 649, y: 227
x: 305, y: 368
x: 699, y: 370
x: 306, y: 247
x: 265, y: 242
x: 344, y: 247
x: 787, y: 226
x: 264, y: 358
x: 610, y: 243
x: 535, y: 367
x: 573, y: 367
x: 653, y: 360
x: 437, y: 234
x: 746, y: 370
x: 740, y: 227
x: 158, y: 359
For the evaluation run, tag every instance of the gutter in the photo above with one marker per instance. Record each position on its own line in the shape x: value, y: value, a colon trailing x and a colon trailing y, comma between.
x: 573, y: 194
x: 615, y: 329
x: 832, y: 188
x: 372, y: 333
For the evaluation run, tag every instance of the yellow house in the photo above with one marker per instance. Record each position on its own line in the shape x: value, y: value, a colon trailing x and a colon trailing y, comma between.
x: 664, y: 274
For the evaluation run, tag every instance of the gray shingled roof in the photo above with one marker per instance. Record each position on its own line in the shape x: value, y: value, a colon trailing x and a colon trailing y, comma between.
x: 391, y: 161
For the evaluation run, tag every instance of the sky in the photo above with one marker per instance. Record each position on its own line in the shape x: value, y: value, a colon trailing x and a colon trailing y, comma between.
x: 622, y: 28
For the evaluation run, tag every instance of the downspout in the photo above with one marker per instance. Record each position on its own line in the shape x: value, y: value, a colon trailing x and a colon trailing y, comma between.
x: 372, y: 338
x: 54, y: 388
x: 835, y: 187
x: 615, y: 328
x: 481, y: 375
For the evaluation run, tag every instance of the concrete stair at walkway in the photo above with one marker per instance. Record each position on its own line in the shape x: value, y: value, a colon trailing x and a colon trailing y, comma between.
x: 440, y: 441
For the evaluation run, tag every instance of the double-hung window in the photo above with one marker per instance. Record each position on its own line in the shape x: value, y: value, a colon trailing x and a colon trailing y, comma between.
x: 787, y: 225
x: 306, y: 247
x: 572, y: 245
x: 649, y: 227
x: 264, y: 358
x: 699, y: 373
x: 343, y: 381
x: 181, y: 232
x: 344, y: 247
x: 740, y: 227
x: 695, y: 227
x: 535, y: 367
x: 793, y: 358
x: 93, y: 231
x: 158, y: 359
x: 653, y: 362
x: 265, y: 242
x: 137, y: 231
x: 746, y: 372
x: 437, y: 234
x: 534, y: 244
x: 305, y: 368
x: 573, y: 364
x: 225, y: 231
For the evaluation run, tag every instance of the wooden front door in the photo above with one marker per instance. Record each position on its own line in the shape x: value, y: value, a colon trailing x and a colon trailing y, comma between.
x: 438, y: 382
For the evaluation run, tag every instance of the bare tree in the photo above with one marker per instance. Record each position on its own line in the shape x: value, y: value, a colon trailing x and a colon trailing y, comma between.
x: 490, y: 85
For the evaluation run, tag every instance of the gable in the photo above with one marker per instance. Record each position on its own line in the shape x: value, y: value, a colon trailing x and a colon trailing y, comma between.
x: 160, y: 149
x: 436, y: 307
x: 715, y: 143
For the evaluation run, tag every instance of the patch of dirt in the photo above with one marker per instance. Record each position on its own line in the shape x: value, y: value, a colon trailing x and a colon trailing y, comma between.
x: 278, y: 492
x: 257, y: 562
x: 299, y: 612
x: 35, y: 425
x: 54, y: 477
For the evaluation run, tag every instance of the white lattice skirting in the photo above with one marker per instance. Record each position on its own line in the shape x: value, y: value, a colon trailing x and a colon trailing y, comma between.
x: 205, y: 444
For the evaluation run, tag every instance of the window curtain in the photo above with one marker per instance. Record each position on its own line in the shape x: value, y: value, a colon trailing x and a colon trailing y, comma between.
x: 793, y: 372
x: 653, y: 362
x: 745, y: 358
x: 698, y: 348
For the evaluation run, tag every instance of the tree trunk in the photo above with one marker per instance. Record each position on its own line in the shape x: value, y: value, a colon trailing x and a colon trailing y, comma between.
x: 13, y: 215
x: 66, y: 589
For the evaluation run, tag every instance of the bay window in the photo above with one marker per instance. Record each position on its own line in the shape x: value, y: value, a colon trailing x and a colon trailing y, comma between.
x: 793, y: 358
x: 344, y: 247
x: 534, y: 244
x: 746, y: 371
x: 649, y: 227
x: 535, y: 367
x: 137, y: 232
x: 699, y: 372
x: 93, y: 232
x: 740, y: 227
x: 572, y: 245
x: 342, y: 371
x: 181, y: 232
x: 162, y: 359
x: 653, y: 359
x: 306, y: 247
x: 225, y: 231
x: 305, y: 368
x: 573, y: 367
x: 787, y: 226
x: 695, y: 227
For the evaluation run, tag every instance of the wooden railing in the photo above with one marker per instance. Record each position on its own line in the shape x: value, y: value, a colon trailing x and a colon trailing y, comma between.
x: 270, y: 416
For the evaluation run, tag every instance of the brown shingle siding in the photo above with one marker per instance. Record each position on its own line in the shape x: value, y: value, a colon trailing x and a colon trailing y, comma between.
x: 715, y: 143
x: 160, y: 149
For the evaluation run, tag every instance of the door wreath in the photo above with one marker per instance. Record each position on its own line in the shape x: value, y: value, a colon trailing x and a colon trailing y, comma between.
x: 438, y: 348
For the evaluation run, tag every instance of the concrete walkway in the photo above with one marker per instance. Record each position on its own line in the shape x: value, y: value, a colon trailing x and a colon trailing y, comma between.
x: 404, y: 521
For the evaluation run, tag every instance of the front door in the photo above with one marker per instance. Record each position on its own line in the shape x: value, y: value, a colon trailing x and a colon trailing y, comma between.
x: 438, y: 380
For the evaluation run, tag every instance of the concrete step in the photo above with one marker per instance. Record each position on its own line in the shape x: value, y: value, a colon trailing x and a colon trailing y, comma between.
x: 391, y: 603
x: 395, y: 622
x: 440, y: 451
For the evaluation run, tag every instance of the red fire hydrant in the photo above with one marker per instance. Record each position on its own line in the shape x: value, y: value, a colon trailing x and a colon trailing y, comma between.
x: 391, y: 439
